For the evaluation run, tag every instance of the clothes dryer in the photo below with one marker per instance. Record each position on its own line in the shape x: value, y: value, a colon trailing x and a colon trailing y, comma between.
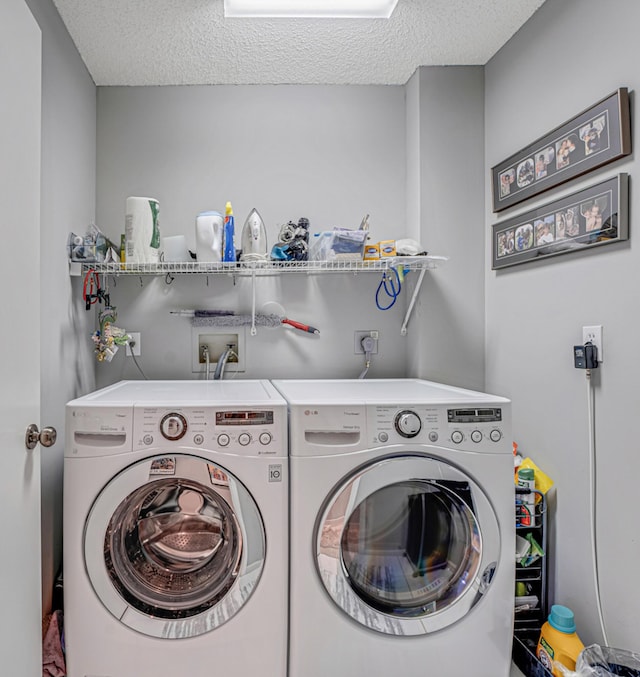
x: 175, y: 530
x: 402, y: 529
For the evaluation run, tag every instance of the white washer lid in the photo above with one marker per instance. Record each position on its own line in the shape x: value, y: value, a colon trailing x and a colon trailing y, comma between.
x: 245, y: 393
x: 378, y: 391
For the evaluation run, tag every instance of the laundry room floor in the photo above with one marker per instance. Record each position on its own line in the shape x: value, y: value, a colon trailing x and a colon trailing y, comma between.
x: 515, y: 672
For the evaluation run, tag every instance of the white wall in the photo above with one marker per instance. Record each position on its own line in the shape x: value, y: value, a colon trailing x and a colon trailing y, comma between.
x: 67, y: 203
x: 569, y: 55
x: 331, y: 154
x: 446, y: 152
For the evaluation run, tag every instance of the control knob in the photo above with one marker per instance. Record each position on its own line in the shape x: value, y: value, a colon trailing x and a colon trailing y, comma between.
x: 408, y: 423
x: 244, y: 439
x: 173, y: 426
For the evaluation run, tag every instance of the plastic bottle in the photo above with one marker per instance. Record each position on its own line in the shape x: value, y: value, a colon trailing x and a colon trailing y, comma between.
x: 559, y: 641
x: 209, y: 229
x: 229, y: 253
x: 527, y: 480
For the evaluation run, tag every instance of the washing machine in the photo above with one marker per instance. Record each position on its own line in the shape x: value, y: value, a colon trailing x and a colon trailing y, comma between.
x: 402, y: 529
x: 175, y: 530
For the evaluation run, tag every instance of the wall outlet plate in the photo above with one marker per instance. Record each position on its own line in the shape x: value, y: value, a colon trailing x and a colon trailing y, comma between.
x: 358, y: 335
x: 135, y: 337
x: 217, y: 339
x: 593, y: 334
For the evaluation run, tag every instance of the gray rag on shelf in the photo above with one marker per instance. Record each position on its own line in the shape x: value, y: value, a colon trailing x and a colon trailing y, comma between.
x: 236, y: 320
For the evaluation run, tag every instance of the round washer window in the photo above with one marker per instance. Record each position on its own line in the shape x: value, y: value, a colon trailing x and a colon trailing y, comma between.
x: 172, y: 548
x: 410, y: 548
x: 407, y: 545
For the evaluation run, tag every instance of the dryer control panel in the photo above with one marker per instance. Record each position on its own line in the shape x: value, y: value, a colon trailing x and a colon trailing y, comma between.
x: 254, y: 432
x: 474, y: 429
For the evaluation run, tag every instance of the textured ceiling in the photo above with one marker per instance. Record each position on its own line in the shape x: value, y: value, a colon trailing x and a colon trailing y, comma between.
x: 181, y: 42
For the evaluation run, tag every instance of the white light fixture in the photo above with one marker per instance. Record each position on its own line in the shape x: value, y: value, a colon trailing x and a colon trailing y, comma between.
x: 343, y: 9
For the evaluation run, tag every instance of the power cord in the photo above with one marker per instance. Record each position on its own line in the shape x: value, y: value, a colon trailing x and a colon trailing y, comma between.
x: 131, y: 343
x: 592, y: 501
x: 586, y: 357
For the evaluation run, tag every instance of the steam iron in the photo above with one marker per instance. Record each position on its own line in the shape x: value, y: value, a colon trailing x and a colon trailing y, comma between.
x: 254, y: 238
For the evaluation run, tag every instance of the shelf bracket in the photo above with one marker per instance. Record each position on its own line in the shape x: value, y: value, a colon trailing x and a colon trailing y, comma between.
x: 414, y: 296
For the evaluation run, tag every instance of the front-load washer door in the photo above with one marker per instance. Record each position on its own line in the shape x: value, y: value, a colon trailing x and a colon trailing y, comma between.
x: 174, y: 546
x: 407, y: 545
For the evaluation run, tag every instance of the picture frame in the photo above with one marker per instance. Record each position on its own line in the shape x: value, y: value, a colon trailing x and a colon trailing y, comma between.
x: 595, y: 137
x: 588, y: 218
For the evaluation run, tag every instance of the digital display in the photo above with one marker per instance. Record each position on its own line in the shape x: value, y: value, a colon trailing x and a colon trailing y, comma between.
x: 486, y: 415
x: 244, y: 417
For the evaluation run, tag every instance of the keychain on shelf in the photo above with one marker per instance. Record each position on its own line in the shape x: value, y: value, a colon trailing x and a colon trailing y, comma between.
x: 92, y: 291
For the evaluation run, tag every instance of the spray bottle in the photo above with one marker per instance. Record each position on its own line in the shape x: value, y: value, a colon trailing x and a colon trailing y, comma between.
x: 229, y: 253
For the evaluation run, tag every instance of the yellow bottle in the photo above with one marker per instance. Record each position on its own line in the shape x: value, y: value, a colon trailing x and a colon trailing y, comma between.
x: 559, y: 641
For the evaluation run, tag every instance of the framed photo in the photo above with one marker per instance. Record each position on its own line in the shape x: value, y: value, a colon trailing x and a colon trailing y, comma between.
x: 589, y: 218
x: 591, y: 139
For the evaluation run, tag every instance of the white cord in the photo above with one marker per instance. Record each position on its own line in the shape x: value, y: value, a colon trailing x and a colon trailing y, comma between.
x: 205, y: 350
x: 592, y: 500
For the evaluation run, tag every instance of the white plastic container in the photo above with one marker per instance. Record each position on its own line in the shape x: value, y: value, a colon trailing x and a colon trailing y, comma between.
x: 209, y: 230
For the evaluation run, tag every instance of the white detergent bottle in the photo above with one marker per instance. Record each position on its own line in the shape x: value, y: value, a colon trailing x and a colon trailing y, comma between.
x: 209, y: 228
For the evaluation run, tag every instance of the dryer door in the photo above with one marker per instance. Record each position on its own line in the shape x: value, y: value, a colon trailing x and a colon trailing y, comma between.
x: 174, y: 546
x: 407, y: 545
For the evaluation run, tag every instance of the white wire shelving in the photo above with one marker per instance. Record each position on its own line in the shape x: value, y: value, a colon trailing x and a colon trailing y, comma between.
x: 255, y: 269
x: 261, y: 268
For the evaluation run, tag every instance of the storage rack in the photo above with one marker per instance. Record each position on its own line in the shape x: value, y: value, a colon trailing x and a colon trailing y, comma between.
x: 255, y: 269
x: 528, y: 622
x: 248, y: 268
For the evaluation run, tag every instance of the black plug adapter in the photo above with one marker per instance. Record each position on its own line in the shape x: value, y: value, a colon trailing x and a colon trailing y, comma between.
x: 585, y: 357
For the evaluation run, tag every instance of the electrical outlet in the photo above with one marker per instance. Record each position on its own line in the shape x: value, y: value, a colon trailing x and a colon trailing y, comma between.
x: 135, y: 339
x: 593, y: 334
x: 216, y: 342
x: 357, y: 340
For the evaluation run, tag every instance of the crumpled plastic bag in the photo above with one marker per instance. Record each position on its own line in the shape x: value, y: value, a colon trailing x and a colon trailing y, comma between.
x: 603, y: 661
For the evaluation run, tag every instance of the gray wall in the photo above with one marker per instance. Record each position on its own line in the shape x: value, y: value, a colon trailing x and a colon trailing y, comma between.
x: 445, y: 159
x: 331, y: 154
x: 568, y: 56
x: 67, y: 203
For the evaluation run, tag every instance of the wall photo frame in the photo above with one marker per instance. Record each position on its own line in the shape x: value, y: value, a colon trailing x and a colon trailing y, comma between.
x: 589, y: 218
x: 597, y: 136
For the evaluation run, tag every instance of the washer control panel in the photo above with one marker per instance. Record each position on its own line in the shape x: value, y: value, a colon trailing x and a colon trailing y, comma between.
x: 173, y: 426
x: 408, y: 423
x: 248, y: 431
x: 474, y: 429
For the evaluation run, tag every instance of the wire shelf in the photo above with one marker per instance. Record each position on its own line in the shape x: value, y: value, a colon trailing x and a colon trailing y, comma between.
x: 263, y: 268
